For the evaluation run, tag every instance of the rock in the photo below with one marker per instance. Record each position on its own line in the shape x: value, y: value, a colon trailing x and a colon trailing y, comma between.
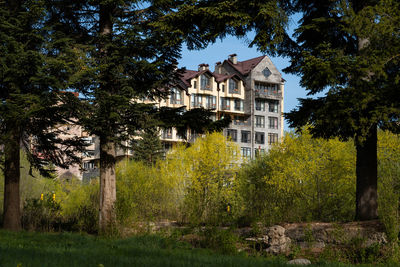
x: 276, y: 240
x: 299, y: 262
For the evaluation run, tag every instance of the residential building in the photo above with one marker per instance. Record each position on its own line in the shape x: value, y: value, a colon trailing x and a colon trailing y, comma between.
x: 250, y: 92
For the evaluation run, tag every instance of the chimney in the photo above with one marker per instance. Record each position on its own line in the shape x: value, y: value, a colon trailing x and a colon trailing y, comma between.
x: 203, y: 67
x: 218, y: 67
x: 233, y: 58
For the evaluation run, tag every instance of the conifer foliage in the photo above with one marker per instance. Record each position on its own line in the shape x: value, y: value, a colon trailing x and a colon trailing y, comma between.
x: 36, y: 63
x: 128, y: 58
x: 349, y: 50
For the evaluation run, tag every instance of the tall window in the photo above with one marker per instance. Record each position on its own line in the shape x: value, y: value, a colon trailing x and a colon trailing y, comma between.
x: 205, y: 82
x: 223, y: 88
x: 239, y: 105
x: 273, y: 122
x: 167, y: 133
x: 225, y: 103
x: 233, y: 86
x: 260, y: 105
x: 232, y: 133
x: 260, y: 138
x: 272, y: 138
x: 260, y: 121
x: 196, y: 100
x: 273, y: 106
x: 211, y: 101
x: 245, y: 152
x: 246, y: 137
x: 194, y: 84
x: 176, y: 96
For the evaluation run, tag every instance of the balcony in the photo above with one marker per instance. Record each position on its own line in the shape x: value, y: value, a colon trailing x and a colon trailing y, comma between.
x: 271, y: 94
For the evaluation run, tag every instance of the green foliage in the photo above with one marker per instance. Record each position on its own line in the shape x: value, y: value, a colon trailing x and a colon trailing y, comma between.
x: 211, y: 163
x: 142, y: 193
x: 41, y: 214
x: 389, y: 183
x: 300, y: 179
x: 66, y: 249
x: 194, y: 184
x: 148, y: 147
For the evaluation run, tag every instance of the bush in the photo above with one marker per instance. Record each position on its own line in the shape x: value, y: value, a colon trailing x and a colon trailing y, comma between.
x: 300, y: 179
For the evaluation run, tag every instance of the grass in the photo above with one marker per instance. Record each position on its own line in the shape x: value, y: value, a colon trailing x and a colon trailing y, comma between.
x: 67, y: 249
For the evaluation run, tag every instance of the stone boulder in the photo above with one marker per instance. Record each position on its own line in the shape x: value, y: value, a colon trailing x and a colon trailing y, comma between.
x: 276, y: 241
x: 299, y: 262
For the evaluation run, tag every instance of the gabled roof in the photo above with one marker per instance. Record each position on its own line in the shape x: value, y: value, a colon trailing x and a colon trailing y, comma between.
x: 223, y: 77
x: 245, y: 67
x: 190, y: 74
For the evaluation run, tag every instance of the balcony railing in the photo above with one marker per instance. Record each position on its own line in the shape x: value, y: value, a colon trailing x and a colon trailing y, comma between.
x: 265, y: 93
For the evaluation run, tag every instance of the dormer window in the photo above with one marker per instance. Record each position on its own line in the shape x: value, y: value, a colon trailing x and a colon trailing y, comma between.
x: 233, y: 86
x: 205, y: 82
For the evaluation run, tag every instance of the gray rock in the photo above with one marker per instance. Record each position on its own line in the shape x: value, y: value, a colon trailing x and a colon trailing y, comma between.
x: 299, y: 262
x: 276, y: 240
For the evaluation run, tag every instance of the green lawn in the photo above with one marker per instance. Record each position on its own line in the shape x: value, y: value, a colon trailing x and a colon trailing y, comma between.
x: 66, y: 249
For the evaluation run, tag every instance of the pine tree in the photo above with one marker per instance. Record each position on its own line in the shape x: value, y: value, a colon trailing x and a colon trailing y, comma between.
x: 349, y: 50
x: 148, y: 147
x: 36, y: 63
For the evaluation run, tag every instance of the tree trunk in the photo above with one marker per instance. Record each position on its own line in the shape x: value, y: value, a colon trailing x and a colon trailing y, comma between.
x: 107, y: 148
x: 11, y: 208
x: 108, y: 193
x: 367, y: 176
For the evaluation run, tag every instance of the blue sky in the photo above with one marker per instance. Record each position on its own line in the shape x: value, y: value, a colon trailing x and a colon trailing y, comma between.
x: 231, y: 45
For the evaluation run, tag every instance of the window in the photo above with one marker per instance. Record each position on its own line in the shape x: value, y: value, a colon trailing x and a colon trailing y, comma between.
x: 223, y: 88
x: 225, y: 103
x: 167, y: 133
x: 211, y: 101
x: 246, y: 137
x: 232, y: 134
x: 205, y: 82
x: 260, y: 121
x: 176, y: 96
x: 88, y: 165
x: 240, y: 120
x: 266, y: 89
x: 273, y: 106
x: 260, y: 138
x: 260, y: 105
x: 239, y: 105
x: 196, y: 101
x: 259, y: 152
x: 273, y: 122
x: 245, y: 152
x: 195, y: 84
x: 272, y: 138
x: 233, y: 87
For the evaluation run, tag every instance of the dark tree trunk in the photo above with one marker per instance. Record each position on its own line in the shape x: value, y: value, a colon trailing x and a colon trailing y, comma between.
x: 367, y: 176
x: 108, y: 198
x: 108, y: 193
x: 11, y: 208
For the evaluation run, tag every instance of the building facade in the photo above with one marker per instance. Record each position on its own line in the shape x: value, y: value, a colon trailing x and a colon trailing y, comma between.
x: 250, y: 92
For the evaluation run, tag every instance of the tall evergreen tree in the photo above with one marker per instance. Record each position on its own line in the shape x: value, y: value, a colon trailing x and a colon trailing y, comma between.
x: 350, y: 50
x: 35, y: 64
x: 130, y: 59
x: 148, y: 147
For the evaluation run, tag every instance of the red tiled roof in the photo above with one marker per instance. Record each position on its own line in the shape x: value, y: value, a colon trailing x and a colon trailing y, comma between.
x: 223, y: 77
x: 244, y: 67
x: 189, y: 74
